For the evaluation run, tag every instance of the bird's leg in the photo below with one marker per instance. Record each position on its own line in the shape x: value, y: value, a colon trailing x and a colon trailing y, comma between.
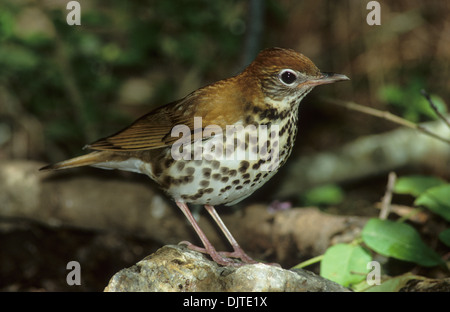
x: 209, y: 248
x: 238, y: 251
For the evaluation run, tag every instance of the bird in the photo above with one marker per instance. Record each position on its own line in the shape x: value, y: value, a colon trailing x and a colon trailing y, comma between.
x: 220, y: 143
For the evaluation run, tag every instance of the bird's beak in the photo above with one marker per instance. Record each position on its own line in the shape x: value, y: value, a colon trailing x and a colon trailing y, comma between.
x: 326, y: 78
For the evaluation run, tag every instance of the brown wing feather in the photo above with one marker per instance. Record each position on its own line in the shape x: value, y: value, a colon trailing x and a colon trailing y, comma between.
x: 151, y: 131
x: 217, y: 104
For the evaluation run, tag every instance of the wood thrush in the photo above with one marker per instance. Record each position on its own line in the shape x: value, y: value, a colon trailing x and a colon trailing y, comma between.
x: 220, y: 143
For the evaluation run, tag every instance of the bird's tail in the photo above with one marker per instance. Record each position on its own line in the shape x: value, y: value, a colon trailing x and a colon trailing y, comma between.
x: 84, y: 160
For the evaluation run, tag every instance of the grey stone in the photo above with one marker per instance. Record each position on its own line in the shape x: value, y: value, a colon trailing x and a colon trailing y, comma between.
x: 175, y: 268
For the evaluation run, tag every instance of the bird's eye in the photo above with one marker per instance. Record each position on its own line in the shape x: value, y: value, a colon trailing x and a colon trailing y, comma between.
x: 288, y: 76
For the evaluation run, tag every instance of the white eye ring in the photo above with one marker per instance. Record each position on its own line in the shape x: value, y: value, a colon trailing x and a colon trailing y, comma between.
x: 287, y: 77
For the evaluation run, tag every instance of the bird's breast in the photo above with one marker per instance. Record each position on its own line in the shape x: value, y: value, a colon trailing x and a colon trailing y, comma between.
x: 229, y: 165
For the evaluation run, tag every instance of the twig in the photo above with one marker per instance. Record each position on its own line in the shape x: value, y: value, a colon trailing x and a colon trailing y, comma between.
x: 387, y: 198
x: 385, y: 115
x: 434, y: 107
x: 308, y: 262
x: 410, y: 215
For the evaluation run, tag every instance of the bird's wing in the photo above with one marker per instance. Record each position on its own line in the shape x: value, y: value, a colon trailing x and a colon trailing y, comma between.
x: 151, y: 131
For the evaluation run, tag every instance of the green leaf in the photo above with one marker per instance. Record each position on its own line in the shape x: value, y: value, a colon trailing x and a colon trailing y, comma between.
x: 437, y: 199
x: 444, y: 236
x: 324, y: 195
x: 409, y: 102
x: 416, y: 184
x: 345, y: 264
x: 393, y: 284
x: 398, y: 240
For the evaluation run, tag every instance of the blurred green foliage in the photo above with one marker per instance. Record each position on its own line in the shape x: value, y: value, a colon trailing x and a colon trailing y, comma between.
x: 430, y: 192
x: 410, y: 103
x: 329, y: 194
x: 444, y: 236
x: 69, y: 76
x: 346, y: 263
x: 416, y: 185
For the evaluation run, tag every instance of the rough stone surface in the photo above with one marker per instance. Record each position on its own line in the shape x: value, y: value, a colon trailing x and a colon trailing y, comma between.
x: 174, y: 268
x: 427, y: 285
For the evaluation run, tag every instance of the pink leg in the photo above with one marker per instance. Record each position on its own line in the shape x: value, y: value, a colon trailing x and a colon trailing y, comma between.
x: 238, y: 251
x: 209, y: 248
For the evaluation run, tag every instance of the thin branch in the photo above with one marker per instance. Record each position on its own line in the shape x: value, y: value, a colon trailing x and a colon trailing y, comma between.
x: 434, y: 107
x: 387, y: 198
x: 385, y: 115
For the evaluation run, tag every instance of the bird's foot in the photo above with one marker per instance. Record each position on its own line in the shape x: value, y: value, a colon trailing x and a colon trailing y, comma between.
x: 219, y: 257
x: 223, y: 256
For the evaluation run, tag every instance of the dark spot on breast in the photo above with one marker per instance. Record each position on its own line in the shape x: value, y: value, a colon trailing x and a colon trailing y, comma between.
x: 166, y: 181
x: 157, y: 170
x: 271, y: 114
x: 190, y: 170
x: 180, y: 165
x: 206, y: 172
x: 216, y: 176
x: 244, y: 166
x: 256, y: 109
x: 168, y: 162
x: 263, y: 150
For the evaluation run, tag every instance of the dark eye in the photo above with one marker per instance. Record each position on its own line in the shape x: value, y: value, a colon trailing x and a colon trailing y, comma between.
x: 288, y: 76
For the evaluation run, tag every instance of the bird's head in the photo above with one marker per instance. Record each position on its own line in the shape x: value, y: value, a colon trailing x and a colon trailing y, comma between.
x: 285, y: 73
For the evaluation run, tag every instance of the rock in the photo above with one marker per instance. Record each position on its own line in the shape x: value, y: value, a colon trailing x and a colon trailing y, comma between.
x: 427, y: 285
x: 175, y: 268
